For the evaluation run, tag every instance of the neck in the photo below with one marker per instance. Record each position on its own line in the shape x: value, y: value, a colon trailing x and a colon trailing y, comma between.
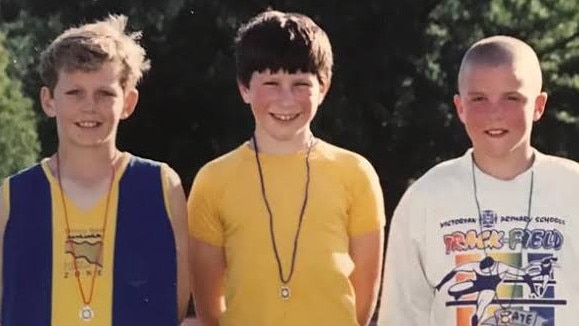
x: 504, y: 168
x: 86, y: 167
x: 270, y: 145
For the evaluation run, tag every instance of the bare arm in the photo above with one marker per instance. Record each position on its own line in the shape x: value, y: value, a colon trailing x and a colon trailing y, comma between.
x: 178, y: 212
x: 366, y: 252
x: 207, y: 279
x: 3, y: 221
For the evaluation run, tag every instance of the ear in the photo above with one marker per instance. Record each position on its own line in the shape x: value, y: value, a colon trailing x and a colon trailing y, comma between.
x: 131, y: 99
x: 540, y: 103
x: 244, y: 91
x: 459, y: 108
x: 47, y: 102
x: 324, y: 88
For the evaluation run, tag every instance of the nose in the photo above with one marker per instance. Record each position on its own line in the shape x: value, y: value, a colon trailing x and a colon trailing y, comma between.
x: 287, y: 97
x: 496, y: 111
x: 89, y: 104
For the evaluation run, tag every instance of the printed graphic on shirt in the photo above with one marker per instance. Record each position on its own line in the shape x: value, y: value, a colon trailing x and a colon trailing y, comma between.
x: 85, y: 247
x: 503, y: 276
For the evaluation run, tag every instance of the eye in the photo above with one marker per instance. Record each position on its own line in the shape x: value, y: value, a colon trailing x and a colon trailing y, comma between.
x: 108, y: 93
x: 303, y: 83
x: 270, y: 83
x: 73, y: 92
x: 477, y: 98
x: 513, y: 98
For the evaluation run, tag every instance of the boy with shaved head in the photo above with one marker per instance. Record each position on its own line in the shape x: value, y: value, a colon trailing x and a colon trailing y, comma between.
x: 467, y: 238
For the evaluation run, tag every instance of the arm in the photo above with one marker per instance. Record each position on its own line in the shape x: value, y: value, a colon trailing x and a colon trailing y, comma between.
x: 207, y: 252
x: 178, y: 212
x: 518, y: 273
x: 366, y: 238
x: 407, y: 295
x: 207, y: 277
x: 467, y: 267
x: 3, y: 220
x: 446, y: 278
x: 366, y: 252
x: 511, y: 270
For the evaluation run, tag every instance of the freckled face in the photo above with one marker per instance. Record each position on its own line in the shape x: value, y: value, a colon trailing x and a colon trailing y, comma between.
x: 283, y: 104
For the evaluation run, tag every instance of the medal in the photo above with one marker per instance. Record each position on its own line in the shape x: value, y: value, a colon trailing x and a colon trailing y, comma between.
x: 86, y: 313
x: 285, y: 292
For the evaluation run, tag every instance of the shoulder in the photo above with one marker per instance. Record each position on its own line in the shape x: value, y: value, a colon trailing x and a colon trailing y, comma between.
x: 343, y: 159
x: 557, y: 171
x: 143, y: 168
x: 444, y: 180
x: 214, y: 175
x: 27, y: 173
x: 225, y: 165
x: 24, y: 181
x: 557, y: 164
x: 443, y: 173
x: 135, y: 161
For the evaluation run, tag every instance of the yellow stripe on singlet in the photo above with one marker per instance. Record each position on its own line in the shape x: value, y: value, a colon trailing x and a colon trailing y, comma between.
x: 86, y: 233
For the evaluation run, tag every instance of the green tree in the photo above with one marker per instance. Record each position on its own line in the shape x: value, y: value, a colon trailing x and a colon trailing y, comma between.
x: 19, y: 144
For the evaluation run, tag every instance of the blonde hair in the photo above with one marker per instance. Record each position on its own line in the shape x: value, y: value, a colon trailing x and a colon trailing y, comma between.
x: 88, y: 47
x: 502, y: 50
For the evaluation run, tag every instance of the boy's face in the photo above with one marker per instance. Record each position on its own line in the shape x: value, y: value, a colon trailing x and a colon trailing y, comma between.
x: 88, y: 105
x: 498, y: 105
x: 283, y: 104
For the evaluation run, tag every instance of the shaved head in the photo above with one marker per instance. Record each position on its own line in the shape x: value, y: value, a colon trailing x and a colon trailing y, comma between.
x: 503, y: 50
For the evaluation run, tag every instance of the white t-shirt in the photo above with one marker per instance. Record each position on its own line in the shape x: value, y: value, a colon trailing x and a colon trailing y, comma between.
x: 504, y: 268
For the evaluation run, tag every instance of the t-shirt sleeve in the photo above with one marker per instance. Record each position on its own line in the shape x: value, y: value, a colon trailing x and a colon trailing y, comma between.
x: 406, y: 293
x: 367, y: 202
x: 202, y: 209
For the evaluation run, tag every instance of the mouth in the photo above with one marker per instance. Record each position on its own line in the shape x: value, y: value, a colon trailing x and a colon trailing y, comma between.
x: 285, y: 117
x: 496, y: 132
x: 88, y: 124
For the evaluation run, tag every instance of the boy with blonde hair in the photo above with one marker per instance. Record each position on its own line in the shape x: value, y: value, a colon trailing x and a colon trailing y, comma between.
x: 467, y: 237
x: 92, y: 234
x: 287, y: 229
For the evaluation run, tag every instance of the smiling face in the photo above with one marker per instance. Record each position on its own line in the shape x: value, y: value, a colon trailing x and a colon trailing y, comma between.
x: 283, y: 105
x: 498, y: 104
x: 88, y: 105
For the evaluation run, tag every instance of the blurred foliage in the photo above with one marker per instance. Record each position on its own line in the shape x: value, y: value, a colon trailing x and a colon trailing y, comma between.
x: 19, y: 143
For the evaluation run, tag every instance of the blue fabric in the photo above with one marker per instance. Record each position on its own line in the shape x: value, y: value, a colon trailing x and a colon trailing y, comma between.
x: 145, y: 271
x: 145, y: 266
x: 27, y: 265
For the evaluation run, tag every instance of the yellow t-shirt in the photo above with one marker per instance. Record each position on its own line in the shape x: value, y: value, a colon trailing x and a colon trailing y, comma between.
x: 226, y: 208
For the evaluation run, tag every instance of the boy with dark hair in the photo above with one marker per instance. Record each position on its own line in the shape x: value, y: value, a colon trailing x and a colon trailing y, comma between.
x: 286, y: 229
